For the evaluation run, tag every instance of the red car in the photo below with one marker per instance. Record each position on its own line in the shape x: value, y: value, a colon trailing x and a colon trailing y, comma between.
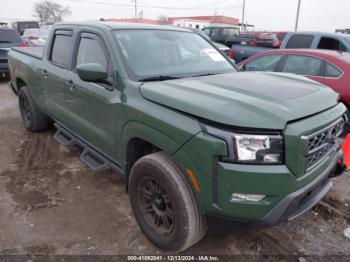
x: 331, y: 68
x: 280, y: 37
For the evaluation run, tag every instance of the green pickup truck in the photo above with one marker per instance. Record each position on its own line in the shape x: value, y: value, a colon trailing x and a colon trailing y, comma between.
x: 192, y: 137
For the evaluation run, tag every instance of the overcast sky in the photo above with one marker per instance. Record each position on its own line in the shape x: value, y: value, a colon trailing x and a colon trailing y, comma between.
x: 322, y: 15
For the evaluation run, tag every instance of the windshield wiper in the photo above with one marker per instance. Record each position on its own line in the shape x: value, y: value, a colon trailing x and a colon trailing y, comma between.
x: 207, y: 74
x: 158, y: 78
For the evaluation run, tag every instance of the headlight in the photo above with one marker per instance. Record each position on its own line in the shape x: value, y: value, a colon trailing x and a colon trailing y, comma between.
x: 250, y: 148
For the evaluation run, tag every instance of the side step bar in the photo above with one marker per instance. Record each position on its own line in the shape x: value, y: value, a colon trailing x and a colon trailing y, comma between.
x: 96, y: 161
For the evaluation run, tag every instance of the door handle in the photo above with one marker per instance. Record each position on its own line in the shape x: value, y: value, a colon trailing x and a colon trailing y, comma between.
x: 71, y: 84
x: 45, y: 73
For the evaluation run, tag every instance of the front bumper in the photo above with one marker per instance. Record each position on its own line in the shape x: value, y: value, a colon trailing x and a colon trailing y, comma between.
x: 291, y: 206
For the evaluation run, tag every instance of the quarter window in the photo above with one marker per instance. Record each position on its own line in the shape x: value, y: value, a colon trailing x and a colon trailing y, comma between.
x: 90, y: 51
x: 60, y: 50
x: 303, y: 65
x: 264, y: 63
x: 332, y: 71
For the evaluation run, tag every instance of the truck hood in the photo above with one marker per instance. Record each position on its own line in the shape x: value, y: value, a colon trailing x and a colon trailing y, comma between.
x: 244, y: 99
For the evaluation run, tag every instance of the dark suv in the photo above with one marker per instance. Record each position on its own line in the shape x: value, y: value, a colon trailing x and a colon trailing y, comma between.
x: 8, y: 38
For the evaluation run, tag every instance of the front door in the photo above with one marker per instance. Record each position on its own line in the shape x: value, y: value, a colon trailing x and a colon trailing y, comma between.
x: 93, y: 107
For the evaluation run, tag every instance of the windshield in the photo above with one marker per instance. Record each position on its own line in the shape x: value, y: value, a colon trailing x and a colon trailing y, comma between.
x: 36, y: 32
x: 175, y: 54
x: 347, y: 38
x: 9, y: 37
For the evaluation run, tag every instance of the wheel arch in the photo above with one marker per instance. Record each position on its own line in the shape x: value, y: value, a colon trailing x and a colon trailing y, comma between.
x: 138, y: 140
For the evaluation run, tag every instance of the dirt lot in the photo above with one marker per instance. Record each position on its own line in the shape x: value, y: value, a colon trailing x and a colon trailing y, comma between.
x: 51, y: 204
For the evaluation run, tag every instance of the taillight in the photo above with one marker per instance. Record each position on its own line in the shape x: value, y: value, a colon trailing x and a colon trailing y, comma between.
x: 22, y: 45
x: 232, y: 54
x: 33, y: 37
x: 277, y: 44
x: 252, y: 43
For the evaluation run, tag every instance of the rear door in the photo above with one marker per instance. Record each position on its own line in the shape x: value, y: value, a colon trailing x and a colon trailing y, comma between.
x: 309, y: 66
x: 54, y: 73
x: 93, y: 107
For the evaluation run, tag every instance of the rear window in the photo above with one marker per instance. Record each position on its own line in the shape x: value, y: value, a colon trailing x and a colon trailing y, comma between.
x: 60, y: 49
x: 230, y: 32
x: 9, y: 36
x: 300, y: 41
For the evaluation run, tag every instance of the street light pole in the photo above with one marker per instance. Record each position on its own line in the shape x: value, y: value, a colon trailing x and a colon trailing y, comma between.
x: 243, y: 14
x: 297, y: 20
x: 135, y: 8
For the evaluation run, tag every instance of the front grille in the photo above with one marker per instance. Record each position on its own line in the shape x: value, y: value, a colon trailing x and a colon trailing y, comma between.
x: 3, y: 61
x: 319, y: 144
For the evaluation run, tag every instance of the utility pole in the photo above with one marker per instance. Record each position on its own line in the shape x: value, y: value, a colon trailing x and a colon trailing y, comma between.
x: 135, y: 8
x: 297, y: 20
x: 243, y: 13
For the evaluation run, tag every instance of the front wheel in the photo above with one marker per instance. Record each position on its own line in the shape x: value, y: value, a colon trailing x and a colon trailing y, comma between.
x: 164, y: 204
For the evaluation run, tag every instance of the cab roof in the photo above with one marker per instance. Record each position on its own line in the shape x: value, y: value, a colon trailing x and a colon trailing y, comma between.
x: 122, y: 25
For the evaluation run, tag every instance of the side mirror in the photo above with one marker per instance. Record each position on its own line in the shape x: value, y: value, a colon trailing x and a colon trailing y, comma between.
x: 91, y: 72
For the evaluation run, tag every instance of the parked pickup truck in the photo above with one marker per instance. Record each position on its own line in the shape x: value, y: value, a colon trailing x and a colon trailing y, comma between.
x: 313, y: 40
x: 192, y: 137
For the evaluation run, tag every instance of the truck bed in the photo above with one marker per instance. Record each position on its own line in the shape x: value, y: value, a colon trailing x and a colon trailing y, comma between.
x: 36, y: 52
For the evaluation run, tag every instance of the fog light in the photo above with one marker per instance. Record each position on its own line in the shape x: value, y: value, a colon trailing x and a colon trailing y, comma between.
x: 237, y: 197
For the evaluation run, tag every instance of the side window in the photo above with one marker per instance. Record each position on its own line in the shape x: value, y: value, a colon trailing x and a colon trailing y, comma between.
x: 60, y: 49
x: 207, y: 31
x: 91, y: 51
x: 300, y: 41
x: 215, y: 33
x: 332, y: 71
x: 303, y: 65
x: 264, y: 63
x: 331, y: 44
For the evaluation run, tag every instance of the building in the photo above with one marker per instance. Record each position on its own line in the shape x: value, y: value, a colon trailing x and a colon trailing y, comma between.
x: 203, y: 21
x: 188, y: 21
x: 133, y: 20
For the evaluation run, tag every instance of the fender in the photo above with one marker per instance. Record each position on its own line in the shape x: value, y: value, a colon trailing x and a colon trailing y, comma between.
x: 139, y: 130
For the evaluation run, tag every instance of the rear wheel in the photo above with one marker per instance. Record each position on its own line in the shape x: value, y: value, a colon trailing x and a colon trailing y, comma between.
x: 32, y: 118
x: 164, y: 204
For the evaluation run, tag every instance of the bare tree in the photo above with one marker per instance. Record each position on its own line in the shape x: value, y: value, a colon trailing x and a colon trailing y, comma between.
x: 49, y: 11
x: 163, y: 19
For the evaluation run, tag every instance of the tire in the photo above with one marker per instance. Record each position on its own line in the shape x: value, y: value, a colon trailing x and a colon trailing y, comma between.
x: 32, y: 118
x: 157, y: 186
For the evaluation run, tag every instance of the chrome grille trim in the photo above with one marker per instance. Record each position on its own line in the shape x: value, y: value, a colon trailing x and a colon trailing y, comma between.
x: 317, y: 146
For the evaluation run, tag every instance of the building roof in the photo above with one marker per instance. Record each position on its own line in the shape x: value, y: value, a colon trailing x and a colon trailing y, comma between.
x: 212, y: 19
x: 133, y: 20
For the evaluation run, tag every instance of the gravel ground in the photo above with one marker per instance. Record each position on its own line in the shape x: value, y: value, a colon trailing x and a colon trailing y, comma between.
x: 51, y: 204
